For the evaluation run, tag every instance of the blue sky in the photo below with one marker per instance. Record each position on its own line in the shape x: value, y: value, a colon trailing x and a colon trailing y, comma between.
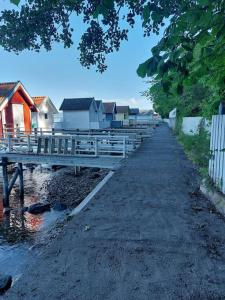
x: 58, y: 73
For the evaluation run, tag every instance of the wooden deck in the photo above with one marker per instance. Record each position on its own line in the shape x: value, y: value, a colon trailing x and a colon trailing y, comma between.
x: 111, y: 163
x: 100, y: 150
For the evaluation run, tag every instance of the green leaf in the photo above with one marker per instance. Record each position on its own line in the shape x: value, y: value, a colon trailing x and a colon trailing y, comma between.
x: 108, y: 4
x: 146, y: 13
x: 16, y: 2
x: 166, y: 86
x: 149, y: 67
x: 203, y: 2
x: 97, y: 12
x: 157, y: 17
x: 143, y: 69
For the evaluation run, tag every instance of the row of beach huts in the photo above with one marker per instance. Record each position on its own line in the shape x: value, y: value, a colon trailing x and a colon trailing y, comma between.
x: 20, y: 110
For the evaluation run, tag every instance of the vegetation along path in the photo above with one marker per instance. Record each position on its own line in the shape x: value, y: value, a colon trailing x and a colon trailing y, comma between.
x: 148, y: 234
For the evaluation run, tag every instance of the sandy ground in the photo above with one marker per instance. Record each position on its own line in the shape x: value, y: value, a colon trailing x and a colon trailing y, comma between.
x: 148, y: 234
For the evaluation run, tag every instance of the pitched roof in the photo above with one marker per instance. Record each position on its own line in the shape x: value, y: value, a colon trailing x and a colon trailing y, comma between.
x: 122, y: 109
x: 6, y: 88
x: 134, y: 111
x: 38, y: 100
x: 109, y: 107
x: 76, y: 104
x: 146, y: 112
x: 98, y: 102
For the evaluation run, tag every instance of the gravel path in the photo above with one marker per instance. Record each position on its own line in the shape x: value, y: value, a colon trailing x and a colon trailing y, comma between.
x: 148, y: 234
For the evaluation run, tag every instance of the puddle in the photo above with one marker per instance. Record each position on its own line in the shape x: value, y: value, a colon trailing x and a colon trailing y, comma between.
x: 20, y: 231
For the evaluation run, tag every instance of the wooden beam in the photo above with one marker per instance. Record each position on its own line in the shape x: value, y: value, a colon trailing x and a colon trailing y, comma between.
x: 5, y: 182
x: 13, y: 180
x: 62, y: 160
x: 21, y: 181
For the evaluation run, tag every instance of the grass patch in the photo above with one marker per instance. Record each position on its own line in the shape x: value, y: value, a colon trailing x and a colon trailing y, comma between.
x: 197, y: 148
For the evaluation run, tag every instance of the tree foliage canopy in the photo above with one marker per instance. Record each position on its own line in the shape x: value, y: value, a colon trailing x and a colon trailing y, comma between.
x: 191, y: 57
x: 39, y: 23
x: 189, y: 60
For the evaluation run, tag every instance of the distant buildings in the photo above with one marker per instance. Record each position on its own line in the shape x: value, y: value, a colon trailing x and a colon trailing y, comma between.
x: 123, y: 114
x: 18, y: 110
x: 80, y: 113
x: 133, y: 115
x: 110, y: 111
x: 44, y: 118
x: 88, y: 113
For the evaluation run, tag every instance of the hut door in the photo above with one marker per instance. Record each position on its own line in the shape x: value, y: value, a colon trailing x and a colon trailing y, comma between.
x: 18, y: 116
x: 34, y: 119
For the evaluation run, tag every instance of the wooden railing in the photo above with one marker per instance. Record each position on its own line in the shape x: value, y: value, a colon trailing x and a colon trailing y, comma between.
x: 133, y: 136
x: 74, y: 145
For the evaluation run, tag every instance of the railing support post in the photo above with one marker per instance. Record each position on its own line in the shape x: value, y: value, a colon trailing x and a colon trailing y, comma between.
x: 20, y: 168
x: 5, y: 183
x: 28, y: 143
x: 124, y: 147
x: 96, y: 147
x: 9, y: 142
x: 35, y: 131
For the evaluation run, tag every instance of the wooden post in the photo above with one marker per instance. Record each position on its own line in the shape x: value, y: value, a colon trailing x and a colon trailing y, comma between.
x: 9, y: 142
x: 96, y: 146
x: 17, y: 131
x: 20, y: 168
x: 35, y: 133
x: 5, y: 183
x: 77, y: 170
x: 28, y: 143
x: 124, y: 147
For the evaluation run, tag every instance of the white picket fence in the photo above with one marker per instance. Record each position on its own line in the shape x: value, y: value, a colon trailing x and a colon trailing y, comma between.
x: 217, y: 147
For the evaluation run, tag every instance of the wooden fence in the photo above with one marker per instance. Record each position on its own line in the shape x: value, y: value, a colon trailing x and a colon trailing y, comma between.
x: 66, y: 145
x: 217, y: 147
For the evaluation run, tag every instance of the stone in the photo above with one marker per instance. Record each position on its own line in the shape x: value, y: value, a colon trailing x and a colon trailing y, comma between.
x: 5, y: 283
x: 95, y: 175
x: 95, y: 170
x: 59, y: 206
x: 24, y: 209
x: 39, y: 208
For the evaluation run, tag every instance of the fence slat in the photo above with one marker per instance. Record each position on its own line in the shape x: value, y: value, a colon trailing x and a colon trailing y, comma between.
x: 217, y: 147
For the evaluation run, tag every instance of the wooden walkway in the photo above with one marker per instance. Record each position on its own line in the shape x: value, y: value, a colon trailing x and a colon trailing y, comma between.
x: 68, y: 149
x: 151, y: 236
x: 63, y: 160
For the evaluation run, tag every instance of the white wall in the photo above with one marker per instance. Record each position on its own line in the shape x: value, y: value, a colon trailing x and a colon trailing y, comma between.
x: 172, y: 123
x: 76, y: 119
x: 172, y: 118
x: 101, y: 114
x: 120, y: 116
x: 104, y: 124
x: 45, y: 108
x: 93, y: 113
x: 132, y: 117
x: 190, y: 125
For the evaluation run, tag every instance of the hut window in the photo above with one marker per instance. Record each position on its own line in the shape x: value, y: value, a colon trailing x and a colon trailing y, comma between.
x: 46, y: 116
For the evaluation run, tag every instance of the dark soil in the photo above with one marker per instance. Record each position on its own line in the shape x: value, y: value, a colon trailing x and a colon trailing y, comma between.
x: 70, y: 189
